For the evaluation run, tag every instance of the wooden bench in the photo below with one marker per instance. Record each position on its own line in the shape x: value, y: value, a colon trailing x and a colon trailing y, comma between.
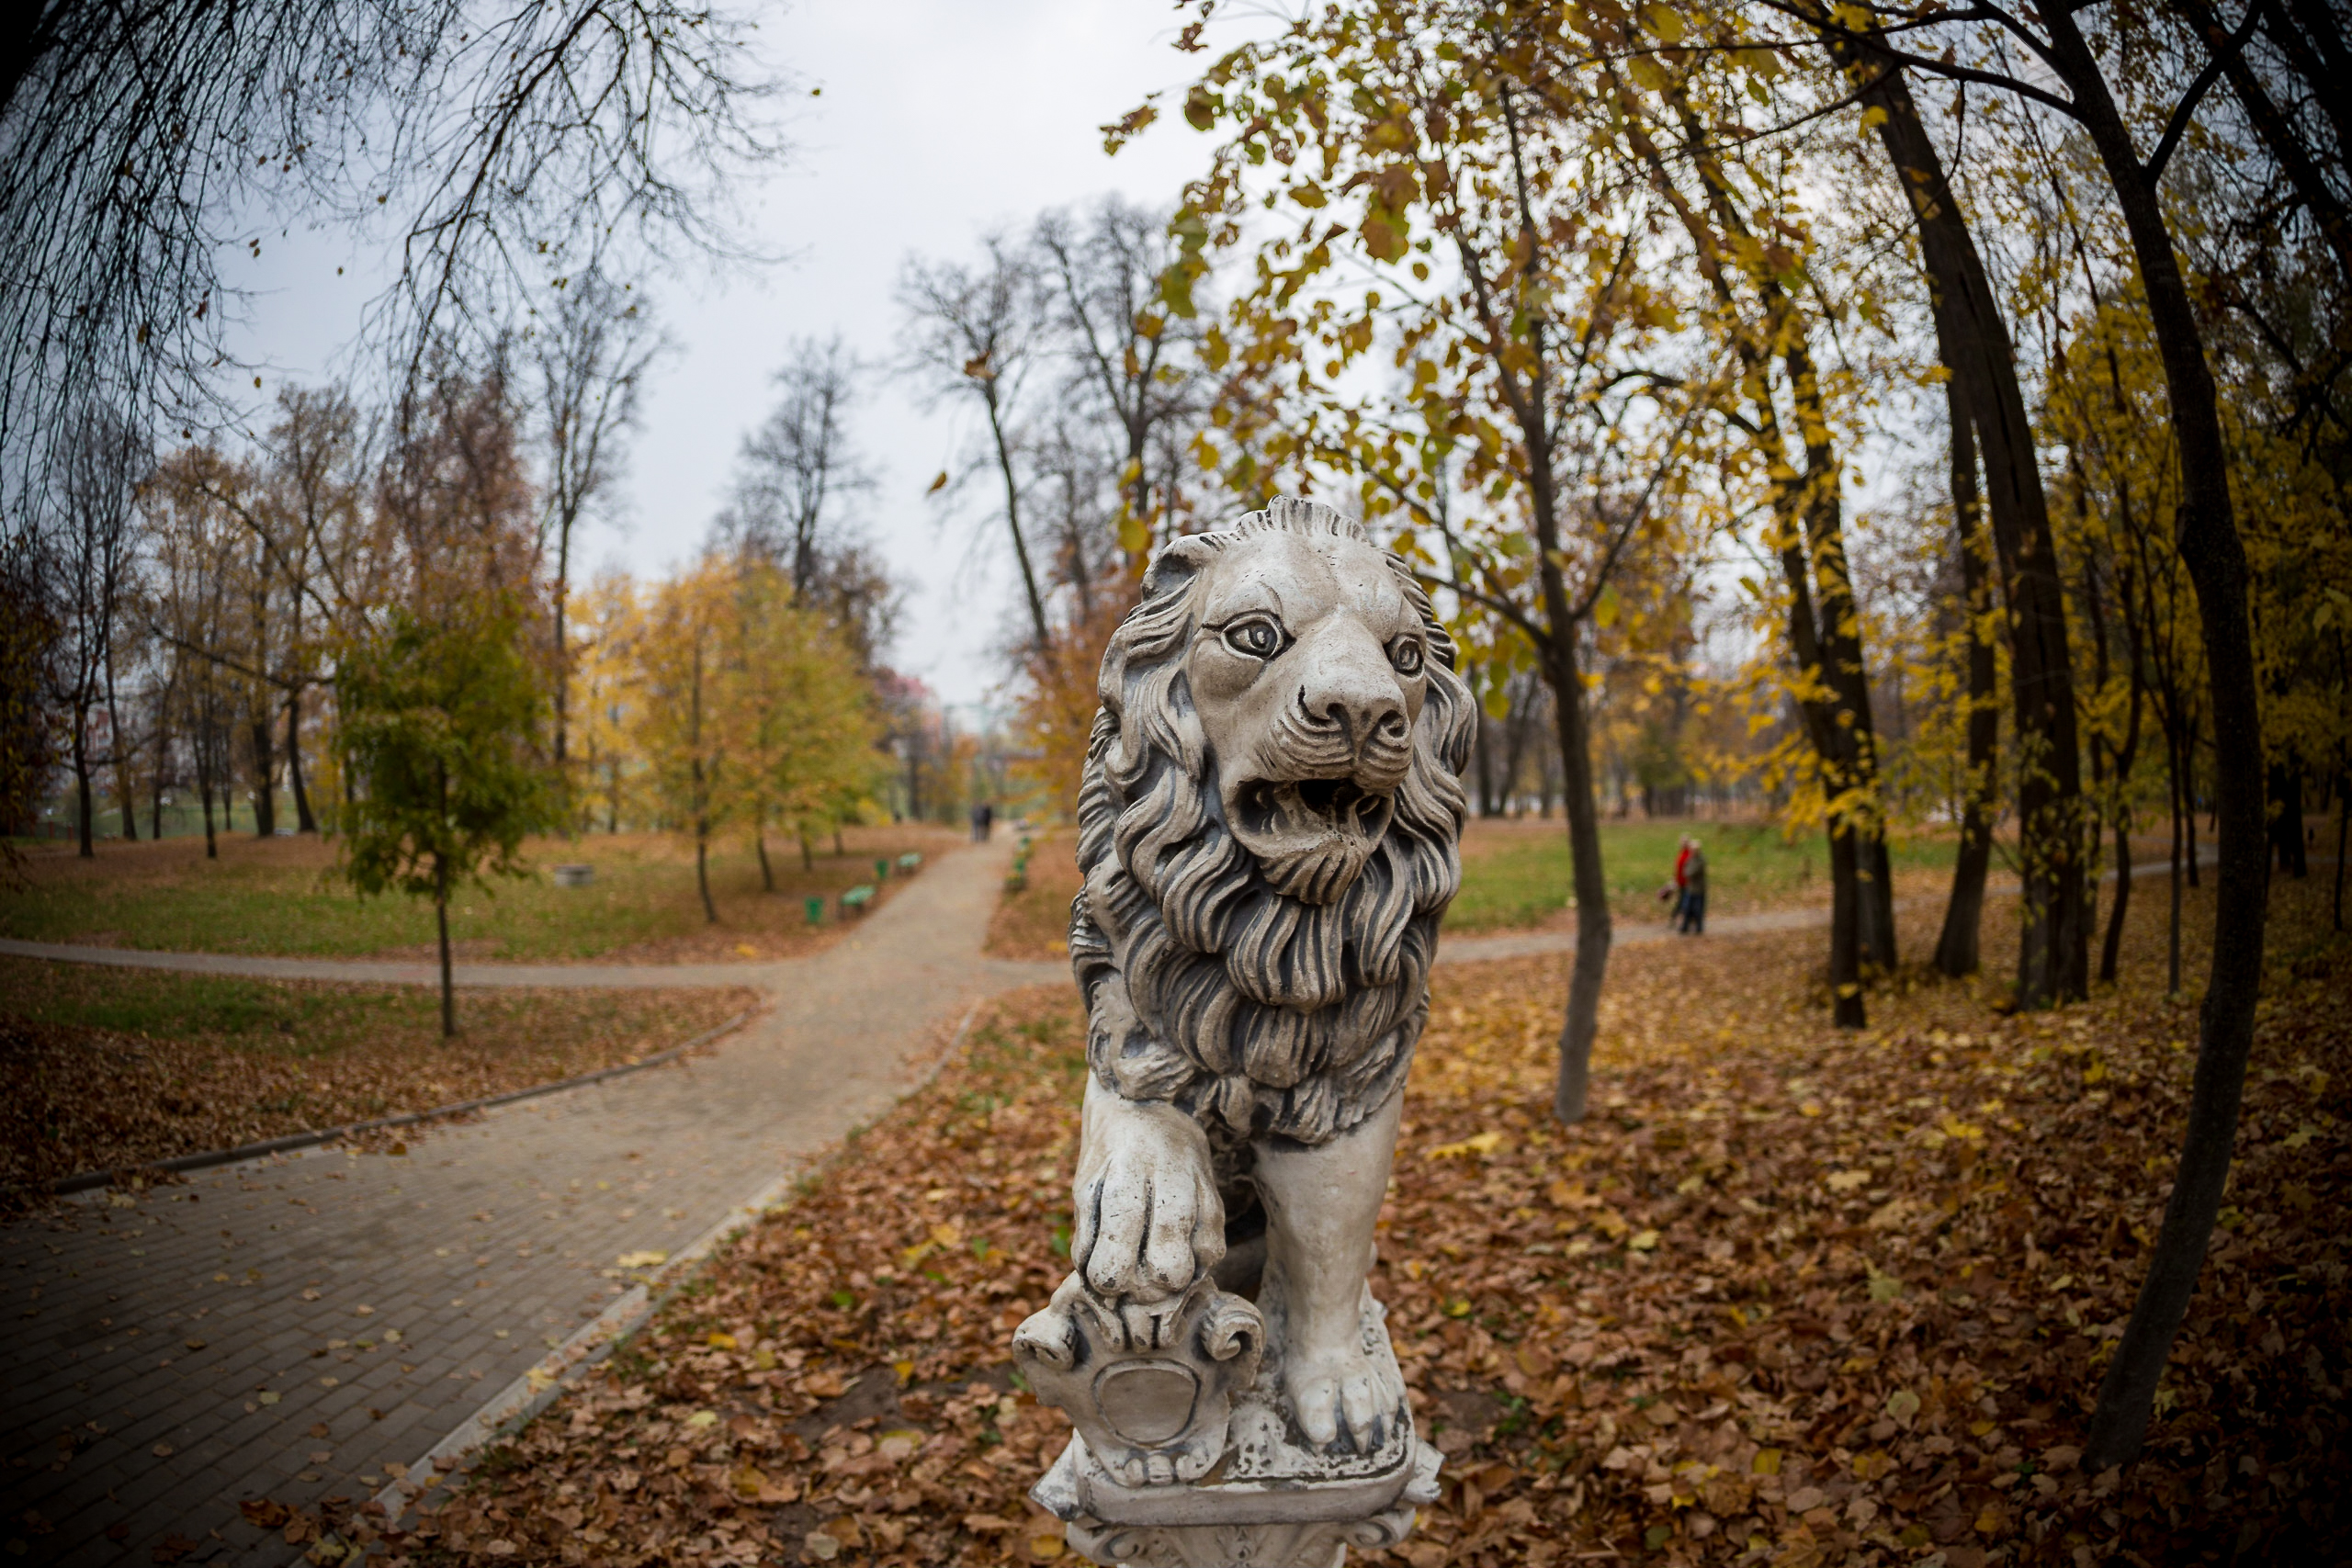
x: 854, y: 901
x: 909, y: 864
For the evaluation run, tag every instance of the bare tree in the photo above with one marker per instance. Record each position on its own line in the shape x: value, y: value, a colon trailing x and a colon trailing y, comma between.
x: 195, y: 541
x: 591, y: 356
x: 800, y: 464
x: 510, y: 142
x: 314, y: 495
x: 104, y: 461
x: 1127, y: 351
x: 1082, y: 504
x: 976, y: 331
x: 795, y: 476
x: 29, y: 639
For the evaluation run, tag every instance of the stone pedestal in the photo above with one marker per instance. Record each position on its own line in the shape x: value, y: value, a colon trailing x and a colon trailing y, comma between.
x: 1183, y: 1456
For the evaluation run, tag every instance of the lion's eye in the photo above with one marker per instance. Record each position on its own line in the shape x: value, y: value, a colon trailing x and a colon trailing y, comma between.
x: 1258, y: 639
x: 1406, y: 654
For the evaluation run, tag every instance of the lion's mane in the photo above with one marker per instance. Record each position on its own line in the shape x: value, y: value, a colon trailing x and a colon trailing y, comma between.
x: 1255, y: 1012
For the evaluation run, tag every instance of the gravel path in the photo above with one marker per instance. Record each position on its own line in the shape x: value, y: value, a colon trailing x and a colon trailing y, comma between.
x: 297, y: 1328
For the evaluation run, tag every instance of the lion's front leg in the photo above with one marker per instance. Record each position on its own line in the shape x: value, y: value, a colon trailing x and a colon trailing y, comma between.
x: 1321, y: 1205
x: 1148, y: 1221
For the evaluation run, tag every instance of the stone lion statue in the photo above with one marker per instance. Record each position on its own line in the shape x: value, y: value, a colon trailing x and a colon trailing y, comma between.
x: 1268, y: 830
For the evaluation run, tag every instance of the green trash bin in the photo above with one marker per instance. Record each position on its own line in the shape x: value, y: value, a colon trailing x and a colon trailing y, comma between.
x: 881, y: 871
x: 816, y: 907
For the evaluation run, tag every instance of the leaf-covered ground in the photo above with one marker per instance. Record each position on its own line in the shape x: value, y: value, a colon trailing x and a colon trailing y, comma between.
x: 1789, y: 1296
x: 109, y: 1069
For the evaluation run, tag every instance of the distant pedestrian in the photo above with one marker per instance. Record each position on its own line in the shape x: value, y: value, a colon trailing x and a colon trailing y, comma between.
x: 1679, y: 888
x: 1694, y: 888
x: 983, y: 820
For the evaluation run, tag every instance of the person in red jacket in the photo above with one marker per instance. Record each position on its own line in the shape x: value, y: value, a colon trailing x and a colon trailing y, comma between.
x: 1690, y: 871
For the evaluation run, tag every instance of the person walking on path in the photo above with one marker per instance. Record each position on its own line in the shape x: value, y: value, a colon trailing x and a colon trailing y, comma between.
x: 1690, y: 870
x: 983, y: 820
x: 1681, y: 888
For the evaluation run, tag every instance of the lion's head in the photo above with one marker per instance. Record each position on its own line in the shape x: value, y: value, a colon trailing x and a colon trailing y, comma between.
x: 1268, y: 824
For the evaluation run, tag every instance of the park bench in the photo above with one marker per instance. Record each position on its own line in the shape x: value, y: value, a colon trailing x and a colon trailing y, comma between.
x: 854, y: 901
x: 574, y: 875
x: 909, y: 864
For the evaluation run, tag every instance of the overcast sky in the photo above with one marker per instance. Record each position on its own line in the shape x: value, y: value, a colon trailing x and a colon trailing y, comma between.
x: 936, y: 119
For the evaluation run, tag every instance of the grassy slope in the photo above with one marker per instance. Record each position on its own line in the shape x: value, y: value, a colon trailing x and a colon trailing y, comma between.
x: 281, y: 896
x: 1515, y: 873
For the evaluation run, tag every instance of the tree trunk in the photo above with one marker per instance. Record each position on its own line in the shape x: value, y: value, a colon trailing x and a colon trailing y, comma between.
x: 701, y: 796
x: 441, y: 923
x: 2179, y: 817
x: 1846, y: 918
x: 2286, y: 821
x: 1973, y: 342
x: 264, y: 780
x: 760, y: 843
x: 2343, y: 822
x: 119, y: 754
x: 2205, y: 532
x: 702, y: 870
x: 1483, y: 752
x: 1012, y: 521
x: 1875, y: 873
x: 809, y: 853
x: 1957, y: 951
x: 562, y: 648
x: 304, y: 823
x: 161, y: 742
x: 2189, y: 796
x: 81, y: 782
x: 1595, y: 931
x: 837, y: 845
x: 2111, y: 948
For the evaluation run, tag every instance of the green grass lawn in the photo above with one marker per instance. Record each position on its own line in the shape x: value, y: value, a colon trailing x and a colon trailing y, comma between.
x: 281, y: 896
x: 284, y: 1019
x: 1515, y: 873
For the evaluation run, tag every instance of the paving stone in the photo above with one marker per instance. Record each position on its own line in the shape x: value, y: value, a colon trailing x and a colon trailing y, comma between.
x: 512, y: 1198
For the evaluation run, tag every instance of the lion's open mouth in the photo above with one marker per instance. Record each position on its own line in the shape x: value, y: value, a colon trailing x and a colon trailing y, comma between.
x: 1282, y: 810
x: 1310, y: 836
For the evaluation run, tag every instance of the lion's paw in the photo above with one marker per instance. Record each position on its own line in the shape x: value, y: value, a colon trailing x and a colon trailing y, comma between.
x: 1342, y: 1393
x: 1149, y: 1221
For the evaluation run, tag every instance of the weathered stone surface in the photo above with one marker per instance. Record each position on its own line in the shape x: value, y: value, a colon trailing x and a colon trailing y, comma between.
x: 1268, y: 830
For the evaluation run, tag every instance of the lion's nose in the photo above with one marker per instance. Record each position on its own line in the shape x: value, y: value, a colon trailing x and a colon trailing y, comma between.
x: 1349, y: 685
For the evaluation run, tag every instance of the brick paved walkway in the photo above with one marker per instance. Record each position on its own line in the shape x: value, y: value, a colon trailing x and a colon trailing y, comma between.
x: 295, y: 1328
